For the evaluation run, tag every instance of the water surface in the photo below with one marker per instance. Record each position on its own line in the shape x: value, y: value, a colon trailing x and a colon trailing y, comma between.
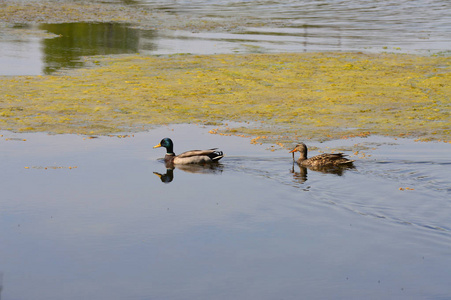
x: 328, y: 25
x: 88, y: 218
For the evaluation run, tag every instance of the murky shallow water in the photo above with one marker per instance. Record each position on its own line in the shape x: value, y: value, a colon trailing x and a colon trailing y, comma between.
x: 420, y: 26
x: 88, y: 218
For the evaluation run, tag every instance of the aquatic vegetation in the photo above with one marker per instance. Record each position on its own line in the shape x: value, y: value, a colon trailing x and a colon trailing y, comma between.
x: 285, y: 97
x: 51, y: 167
x: 406, y: 189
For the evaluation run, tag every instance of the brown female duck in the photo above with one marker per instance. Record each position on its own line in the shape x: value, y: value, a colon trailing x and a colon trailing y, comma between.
x: 188, y: 157
x: 322, y: 160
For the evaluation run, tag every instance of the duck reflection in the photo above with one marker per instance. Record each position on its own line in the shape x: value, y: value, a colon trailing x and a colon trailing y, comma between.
x: 301, y: 175
x: 211, y: 168
x: 166, y: 178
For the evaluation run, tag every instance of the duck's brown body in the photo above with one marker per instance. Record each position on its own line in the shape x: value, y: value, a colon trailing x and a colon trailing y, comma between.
x: 322, y: 160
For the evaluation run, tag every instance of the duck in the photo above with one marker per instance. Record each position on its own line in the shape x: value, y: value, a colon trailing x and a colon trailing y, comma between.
x: 188, y: 157
x: 325, y: 160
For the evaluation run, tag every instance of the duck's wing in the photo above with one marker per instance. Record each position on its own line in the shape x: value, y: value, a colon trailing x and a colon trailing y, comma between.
x: 197, y: 153
x: 330, y: 158
x: 324, y: 156
x: 342, y: 159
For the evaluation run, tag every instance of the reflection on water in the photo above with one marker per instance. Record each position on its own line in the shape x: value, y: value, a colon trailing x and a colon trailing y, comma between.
x: 301, y: 175
x: 67, y: 45
x: 76, y: 40
x: 167, y: 177
x: 212, y: 168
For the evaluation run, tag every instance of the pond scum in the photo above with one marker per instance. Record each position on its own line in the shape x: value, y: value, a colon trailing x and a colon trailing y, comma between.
x: 279, y: 97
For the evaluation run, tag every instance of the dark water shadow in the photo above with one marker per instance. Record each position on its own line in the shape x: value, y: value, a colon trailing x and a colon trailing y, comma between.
x: 75, y: 40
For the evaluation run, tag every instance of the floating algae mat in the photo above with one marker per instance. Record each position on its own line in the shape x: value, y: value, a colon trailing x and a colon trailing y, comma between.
x: 284, y: 96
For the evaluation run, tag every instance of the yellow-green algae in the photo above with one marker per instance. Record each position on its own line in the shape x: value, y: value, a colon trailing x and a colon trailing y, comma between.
x: 288, y: 96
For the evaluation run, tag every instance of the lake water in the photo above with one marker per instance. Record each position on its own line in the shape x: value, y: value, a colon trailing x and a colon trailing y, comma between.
x: 84, y: 218
x: 414, y: 26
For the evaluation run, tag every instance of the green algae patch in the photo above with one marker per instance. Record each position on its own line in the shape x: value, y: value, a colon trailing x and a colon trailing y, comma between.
x: 286, y: 97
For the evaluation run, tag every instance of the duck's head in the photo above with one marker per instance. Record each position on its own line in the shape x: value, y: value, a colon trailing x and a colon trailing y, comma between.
x: 166, y: 143
x: 301, y: 147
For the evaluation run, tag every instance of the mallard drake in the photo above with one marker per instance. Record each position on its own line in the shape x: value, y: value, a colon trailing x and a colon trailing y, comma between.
x: 188, y: 157
x: 322, y: 160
